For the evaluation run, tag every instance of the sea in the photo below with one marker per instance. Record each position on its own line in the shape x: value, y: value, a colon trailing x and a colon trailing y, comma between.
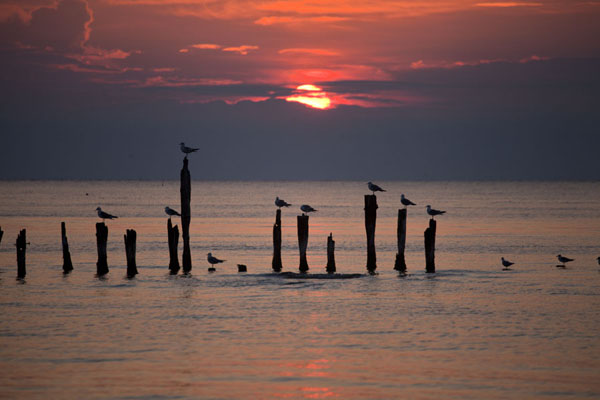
x: 468, y: 331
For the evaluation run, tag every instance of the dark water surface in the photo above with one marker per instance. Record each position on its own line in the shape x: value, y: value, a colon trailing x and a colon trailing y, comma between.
x: 470, y: 331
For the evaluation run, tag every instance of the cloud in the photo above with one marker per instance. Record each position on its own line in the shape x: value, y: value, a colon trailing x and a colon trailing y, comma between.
x: 208, y: 46
x: 317, y: 52
x: 295, y: 20
x: 174, y: 82
x: 455, y: 64
x: 243, y: 50
x: 508, y: 4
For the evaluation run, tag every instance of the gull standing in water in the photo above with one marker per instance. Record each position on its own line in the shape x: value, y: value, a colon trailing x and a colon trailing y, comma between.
x: 374, y: 188
x: 406, y: 202
x: 105, y: 215
x: 170, y: 212
x: 564, y: 260
x: 434, y: 212
x: 213, y: 260
x: 186, y: 150
x: 506, y: 264
x: 307, y: 209
x: 281, y: 203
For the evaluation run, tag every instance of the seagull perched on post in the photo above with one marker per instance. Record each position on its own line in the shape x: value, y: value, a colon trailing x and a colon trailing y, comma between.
x: 307, y: 209
x: 506, y: 264
x: 170, y: 212
x: 564, y: 260
x: 374, y: 188
x: 213, y: 260
x: 434, y: 212
x: 281, y: 203
x: 186, y: 150
x: 406, y: 202
x: 105, y: 215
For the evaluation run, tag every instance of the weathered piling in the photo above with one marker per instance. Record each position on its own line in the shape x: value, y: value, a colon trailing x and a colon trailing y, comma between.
x: 21, y: 248
x: 276, y: 264
x: 186, y: 195
x: 370, y: 221
x: 101, y: 239
x: 430, y: 246
x: 303, y: 241
x: 1, y: 233
x: 400, y: 264
x: 173, y: 235
x: 130, y: 239
x: 242, y: 268
x: 330, y: 254
x: 67, y: 264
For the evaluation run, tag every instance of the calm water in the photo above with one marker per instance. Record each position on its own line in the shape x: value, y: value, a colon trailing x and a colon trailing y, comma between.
x: 470, y: 331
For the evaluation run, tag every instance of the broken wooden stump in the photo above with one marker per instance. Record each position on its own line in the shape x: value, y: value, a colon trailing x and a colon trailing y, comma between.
x: 303, y: 241
x: 130, y: 239
x: 186, y: 195
x: 67, y: 264
x: 242, y: 268
x: 400, y: 264
x: 276, y: 264
x: 430, y: 246
x: 370, y: 221
x: 1, y: 233
x: 21, y: 249
x: 330, y: 254
x: 173, y: 237
x: 101, y: 239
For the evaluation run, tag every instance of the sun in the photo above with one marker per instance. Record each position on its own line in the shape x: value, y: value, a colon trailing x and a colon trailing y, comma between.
x: 312, y: 96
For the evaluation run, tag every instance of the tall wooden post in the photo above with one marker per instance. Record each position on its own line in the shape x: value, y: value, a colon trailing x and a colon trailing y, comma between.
x: 430, y: 246
x: 67, y: 264
x: 400, y: 264
x: 330, y: 254
x: 21, y: 248
x: 101, y: 239
x: 173, y: 235
x: 186, y: 196
x: 277, y: 266
x: 130, y: 239
x: 303, y: 241
x: 370, y: 221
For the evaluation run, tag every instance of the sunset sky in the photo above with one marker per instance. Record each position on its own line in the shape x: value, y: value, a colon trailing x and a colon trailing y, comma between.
x: 336, y: 89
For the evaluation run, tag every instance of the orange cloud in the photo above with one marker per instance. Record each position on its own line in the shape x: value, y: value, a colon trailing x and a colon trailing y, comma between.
x: 317, y: 52
x: 272, y: 20
x: 243, y: 50
x: 207, y: 46
x: 184, y: 50
x: 159, y: 81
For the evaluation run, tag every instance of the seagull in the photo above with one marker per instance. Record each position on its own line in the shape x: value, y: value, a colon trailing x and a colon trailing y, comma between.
x: 185, y: 149
x: 307, y: 209
x: 281, y: 203
x: 374, y: 188
x: 213, y: 260
x: 406, y: 202
x: 170, y: 212
x: 105, y: 215
x: 564, y: 260
x: 506, y: 264
x: 434, y: 212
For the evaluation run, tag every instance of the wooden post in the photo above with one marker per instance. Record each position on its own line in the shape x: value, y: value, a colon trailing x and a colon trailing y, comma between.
x: 430, y: 247
x: 303, y: 241
x: 400, y: 264
x: 1, y: 233
x: 173, y: 234
x: 277, y: 266
x: 21, y: 248
x: 186, y: 196
x: 370, y: 221
x: 330, y: 254
x: 101, y: 239
x: 67, y: 264
x: 242, y: 268
x: 130, y: 238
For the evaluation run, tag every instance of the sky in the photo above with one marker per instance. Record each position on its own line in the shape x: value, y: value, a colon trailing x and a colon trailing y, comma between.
x: 300, y: 89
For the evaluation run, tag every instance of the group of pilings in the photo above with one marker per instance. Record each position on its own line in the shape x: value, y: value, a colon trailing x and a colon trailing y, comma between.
x: 370, y: 224
x: 129, y: 239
